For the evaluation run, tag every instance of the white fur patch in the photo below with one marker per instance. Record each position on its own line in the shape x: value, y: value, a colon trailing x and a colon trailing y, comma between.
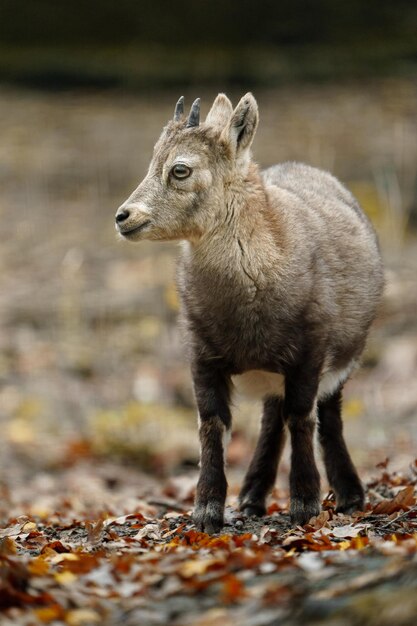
x: 332, y: 379
x: 257, y: 384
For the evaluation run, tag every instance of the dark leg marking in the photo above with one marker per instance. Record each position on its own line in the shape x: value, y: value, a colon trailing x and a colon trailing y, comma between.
x: 261, y: 475
x: 212, y: 394
x: 299, y: 408
x: 341, y: 472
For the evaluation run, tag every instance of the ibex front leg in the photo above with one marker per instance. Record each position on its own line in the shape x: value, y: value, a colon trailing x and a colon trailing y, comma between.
x: 300, y: 411
x: 212, y: 394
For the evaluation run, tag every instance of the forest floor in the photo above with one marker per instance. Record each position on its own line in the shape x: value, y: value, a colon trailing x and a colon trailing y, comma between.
x: 105, y: 544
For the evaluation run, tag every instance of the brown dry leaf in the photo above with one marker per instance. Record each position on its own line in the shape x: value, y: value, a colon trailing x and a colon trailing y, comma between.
x: 7, y: 546
x: 319, y: 521
x: 55, y: 546
x: 95, y: 531
x: 82, y: 564
x: 402, y: 501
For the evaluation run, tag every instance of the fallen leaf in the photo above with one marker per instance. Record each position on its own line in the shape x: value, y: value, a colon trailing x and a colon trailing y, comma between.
x: 38, y: 567
x: 82, y: 617
x: 7, y: 546
x: 402, y: 501
x: 65, y: 578
x: 149, y: 531
x: 350, y: 530
x: 233, y: 589
x: 95, y: 531
x: 49, y: 613
x: 196, y: 567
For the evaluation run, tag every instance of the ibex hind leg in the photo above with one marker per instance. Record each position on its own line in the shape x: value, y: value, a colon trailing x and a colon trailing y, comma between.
x: 341, y: 472
x: 261, y: 475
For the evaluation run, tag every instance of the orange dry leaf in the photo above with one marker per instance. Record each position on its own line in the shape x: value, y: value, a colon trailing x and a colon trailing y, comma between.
x: 38, y: 567
x: 49, y: 613
x: 77, y: 449
x: 80, y: 563
x: 241, y: 540
x: 233, y: 589
x: 273, y: 508
x: 195, y: 567
x: 359, y: 543
x: 402, y: 501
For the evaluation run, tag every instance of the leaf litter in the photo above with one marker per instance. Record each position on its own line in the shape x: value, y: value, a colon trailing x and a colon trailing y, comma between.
x: 151, y: 566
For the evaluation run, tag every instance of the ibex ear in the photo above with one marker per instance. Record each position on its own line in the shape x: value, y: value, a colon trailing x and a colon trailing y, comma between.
x: 220, y: 112
x: 241, y: 128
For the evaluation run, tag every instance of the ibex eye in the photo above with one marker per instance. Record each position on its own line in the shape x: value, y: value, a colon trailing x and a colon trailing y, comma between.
x: 181, y: 171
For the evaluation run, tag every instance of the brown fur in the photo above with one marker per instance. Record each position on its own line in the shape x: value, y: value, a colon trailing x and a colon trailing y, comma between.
x: 280, y: 273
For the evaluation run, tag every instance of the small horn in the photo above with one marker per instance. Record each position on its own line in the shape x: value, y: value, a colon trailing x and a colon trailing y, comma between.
x: 194, y: 117
x: 179, y: 109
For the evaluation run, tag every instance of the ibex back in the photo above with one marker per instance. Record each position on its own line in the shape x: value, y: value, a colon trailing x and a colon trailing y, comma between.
x: 280, y: 279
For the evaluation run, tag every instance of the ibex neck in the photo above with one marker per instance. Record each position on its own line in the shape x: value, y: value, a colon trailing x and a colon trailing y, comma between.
x: 243, y: 245
x: 242, y: 207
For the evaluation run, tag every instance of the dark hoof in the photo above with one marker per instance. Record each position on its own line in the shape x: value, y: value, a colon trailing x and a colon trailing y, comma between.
x: 351, y: 505
x: 301, y: 511
x: 251, y: 509
x: 209, y: 518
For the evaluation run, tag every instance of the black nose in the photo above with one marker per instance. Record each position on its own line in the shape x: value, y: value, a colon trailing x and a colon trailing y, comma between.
x: 122, y: 215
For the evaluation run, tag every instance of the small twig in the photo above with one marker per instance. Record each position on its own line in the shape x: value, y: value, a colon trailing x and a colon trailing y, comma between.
x: 414, y: 508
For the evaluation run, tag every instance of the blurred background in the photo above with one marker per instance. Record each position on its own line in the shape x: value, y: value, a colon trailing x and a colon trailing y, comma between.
x: 92, y: 366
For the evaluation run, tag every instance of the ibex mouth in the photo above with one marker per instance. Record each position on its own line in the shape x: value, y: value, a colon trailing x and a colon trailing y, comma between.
x: 136, y: 229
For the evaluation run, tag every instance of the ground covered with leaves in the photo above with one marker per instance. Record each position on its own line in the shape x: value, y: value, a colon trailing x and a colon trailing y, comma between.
x: 68, y: 562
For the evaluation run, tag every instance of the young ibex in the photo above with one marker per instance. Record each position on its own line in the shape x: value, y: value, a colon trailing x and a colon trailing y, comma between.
x: 279, y: 279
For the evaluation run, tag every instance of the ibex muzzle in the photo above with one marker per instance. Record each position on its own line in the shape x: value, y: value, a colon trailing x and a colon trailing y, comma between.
x: 280, y: 278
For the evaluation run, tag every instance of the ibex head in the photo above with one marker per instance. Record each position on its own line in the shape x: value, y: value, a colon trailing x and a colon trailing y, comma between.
x: 182, y: 195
